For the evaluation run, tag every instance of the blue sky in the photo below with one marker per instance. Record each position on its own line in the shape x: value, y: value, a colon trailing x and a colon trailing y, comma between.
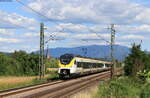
x: 73, y: 21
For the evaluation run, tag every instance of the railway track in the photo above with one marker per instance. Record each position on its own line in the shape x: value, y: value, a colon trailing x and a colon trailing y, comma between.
x: 56, y: 89
x: 15, y: 91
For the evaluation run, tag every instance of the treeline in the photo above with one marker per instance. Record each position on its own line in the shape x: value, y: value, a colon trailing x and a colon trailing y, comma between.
x: 21, y: 63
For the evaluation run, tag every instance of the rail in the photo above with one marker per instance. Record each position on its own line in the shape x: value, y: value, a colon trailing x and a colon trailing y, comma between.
x: 56, y: 89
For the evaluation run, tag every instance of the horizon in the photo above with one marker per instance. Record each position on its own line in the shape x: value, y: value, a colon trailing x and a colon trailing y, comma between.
x: 65, y: 47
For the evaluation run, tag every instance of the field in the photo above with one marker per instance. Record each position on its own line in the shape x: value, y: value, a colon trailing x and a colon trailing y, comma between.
x: 7, y: 82
x: 12, y: 81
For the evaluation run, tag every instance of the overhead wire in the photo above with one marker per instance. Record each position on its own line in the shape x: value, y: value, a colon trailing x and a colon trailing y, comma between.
x: 92, y: 31
x: 21, y: 27
x: 55, y: 22
x: 44, y: 16
x: 35, y: 11
x: 99, y: 36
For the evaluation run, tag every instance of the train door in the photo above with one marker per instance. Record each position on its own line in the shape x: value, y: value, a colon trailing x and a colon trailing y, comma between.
x: 104, y: 66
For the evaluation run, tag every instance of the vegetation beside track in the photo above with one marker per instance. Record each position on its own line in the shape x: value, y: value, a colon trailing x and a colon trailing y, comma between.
x: 9, y: 82
x: 124, y: 87
x: 20, y: 69
x: 21, y: 63
x: 136, y: 81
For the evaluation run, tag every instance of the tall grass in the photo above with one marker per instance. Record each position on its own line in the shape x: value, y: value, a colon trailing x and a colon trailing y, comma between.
x: 86, y: 93
x: 123, y: 88
x: 145, y: 92
x: 12, y: 82
x: 9, y: 82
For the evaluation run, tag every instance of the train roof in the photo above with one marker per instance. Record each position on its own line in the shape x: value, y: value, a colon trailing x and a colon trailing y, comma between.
x: 85, y: 57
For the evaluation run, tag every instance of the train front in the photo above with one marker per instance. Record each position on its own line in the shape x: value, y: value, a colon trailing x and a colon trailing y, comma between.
x: 66, y: 66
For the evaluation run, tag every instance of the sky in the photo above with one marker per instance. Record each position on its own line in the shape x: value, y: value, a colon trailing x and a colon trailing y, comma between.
x: 73, y: 23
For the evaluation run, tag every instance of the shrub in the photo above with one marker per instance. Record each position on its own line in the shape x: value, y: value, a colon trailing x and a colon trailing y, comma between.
x: 119, y: 88
x: 144, y: 75
x: 145, y: 92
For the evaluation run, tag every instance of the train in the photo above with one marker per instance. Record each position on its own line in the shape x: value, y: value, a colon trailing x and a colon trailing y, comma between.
x: 71, y: 65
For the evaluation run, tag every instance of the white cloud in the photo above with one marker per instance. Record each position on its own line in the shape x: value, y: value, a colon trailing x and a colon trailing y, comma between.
x: 143, y: 29
x: 31, y: 34
x: 76, y: 18
x: 68, y: 27
x: 77, y: 28
x: 7, y: 32
x: 15, y: 20
x: 93, y: 11
x: 90, y: 36
x: 46, y: 34
x: 10, y: 40
x: 29, y: 48
x: 133, y: 37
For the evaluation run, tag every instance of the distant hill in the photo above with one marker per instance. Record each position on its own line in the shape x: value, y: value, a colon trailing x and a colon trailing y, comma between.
x: 94, y: 51
x: 6, y: 53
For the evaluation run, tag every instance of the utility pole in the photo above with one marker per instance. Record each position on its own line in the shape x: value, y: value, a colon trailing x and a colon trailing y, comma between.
x: 84, y: 51
x: 112, y: 49
x: 41, y: 56
x: 47, y: 52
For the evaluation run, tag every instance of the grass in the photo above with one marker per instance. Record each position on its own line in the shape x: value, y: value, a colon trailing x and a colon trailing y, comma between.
x: 12, y: 82
x: 87, y: 93
x: 123, y: 87
x: 8, y: 82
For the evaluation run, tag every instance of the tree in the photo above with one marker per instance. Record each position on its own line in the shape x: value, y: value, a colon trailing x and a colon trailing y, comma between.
x: 9, y: 66
x: 147, y: 62
x: 52, y: 63
x: 135, y: 61
x: 28, y: 62
x: 22, y: 63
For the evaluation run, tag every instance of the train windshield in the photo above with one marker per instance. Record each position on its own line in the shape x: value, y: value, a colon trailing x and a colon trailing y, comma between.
x: 65, y: 59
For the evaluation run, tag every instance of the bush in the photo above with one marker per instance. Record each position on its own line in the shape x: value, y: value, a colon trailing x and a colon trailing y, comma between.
x: 144, y: 75
x: 145, y: 93
x: 120, y: 88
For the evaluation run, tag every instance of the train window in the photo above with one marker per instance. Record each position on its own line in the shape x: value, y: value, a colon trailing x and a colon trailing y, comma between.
x: 83, y: 64
x: 86, y: 65
x: 107, y: 65
x: 94, y: 65
x: 100, y: 65
x: 75, y: 62
x: 78, y: 64
x: 97, y: 65
x: 89, y: 65
x: 66, y: 59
